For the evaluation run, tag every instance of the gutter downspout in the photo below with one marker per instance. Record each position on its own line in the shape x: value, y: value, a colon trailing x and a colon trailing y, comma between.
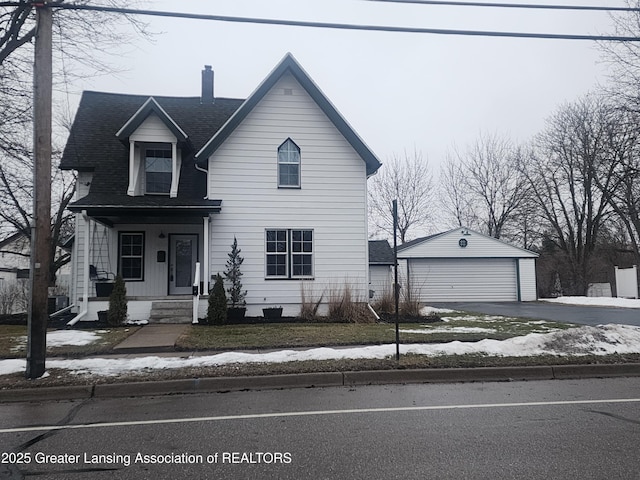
x: 85, y: 285
x: 200, y: 169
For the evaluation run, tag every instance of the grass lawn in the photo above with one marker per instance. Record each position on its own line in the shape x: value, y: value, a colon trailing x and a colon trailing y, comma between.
x: 460, y: 327
x: 13, y: 341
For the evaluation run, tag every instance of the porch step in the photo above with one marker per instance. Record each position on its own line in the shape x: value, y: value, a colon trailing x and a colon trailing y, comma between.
x: 171, y: 311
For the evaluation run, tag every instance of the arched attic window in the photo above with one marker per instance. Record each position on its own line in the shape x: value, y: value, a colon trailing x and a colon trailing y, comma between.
x: 289, y: 165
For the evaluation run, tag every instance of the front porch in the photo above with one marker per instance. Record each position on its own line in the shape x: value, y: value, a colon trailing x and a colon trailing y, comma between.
x: 161, y: 258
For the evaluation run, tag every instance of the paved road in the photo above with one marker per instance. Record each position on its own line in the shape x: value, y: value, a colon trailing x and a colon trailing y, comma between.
x: 587, y: 429
x: 585, y: 315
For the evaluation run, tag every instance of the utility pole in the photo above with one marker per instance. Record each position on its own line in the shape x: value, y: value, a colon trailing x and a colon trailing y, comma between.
x: 396, y: 285
x: 41, y: 226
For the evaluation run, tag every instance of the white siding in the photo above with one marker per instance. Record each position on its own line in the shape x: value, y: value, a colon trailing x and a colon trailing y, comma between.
x: 478, y: 245
x: 104, y: 255
x: 380, y: 280
x: 528, y: 288
x: 331, y: 200
x: 153, y: 130
x: 468, y: 280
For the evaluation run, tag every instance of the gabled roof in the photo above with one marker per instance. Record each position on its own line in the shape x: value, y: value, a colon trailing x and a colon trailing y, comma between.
x: 439, y: 245
x: 11, y: 238
x: 416, y: 241
x: 149, y: 107
x: 94, y: 147
x: 380, y: 253
x: 290, y: 65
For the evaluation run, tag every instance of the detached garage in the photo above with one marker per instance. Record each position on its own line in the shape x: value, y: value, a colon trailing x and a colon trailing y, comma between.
x: 462, y: 265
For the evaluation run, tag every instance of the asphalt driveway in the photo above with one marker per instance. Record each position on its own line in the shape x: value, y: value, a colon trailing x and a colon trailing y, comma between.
x: 585, y: 315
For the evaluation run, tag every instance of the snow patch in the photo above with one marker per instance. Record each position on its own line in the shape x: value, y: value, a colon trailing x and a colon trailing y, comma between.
x: 600, y: 340
x: 596, y: 301
x: 426, y: 311
x: 428, y: 330
x: 59, y: 338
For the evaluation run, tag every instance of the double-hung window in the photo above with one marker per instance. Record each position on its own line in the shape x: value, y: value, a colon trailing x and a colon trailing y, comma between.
x: 289, y: 165
x: 131, y: 255
x: 289, y: 253
x: 157, y: 167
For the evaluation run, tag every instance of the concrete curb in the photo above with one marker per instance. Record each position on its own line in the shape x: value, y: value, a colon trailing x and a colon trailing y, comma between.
x: 328, y: 379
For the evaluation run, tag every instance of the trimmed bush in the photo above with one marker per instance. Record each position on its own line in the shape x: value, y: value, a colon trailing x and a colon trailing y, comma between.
x: 233, y: 275
x: 217, y: 305
x: 117, y: 314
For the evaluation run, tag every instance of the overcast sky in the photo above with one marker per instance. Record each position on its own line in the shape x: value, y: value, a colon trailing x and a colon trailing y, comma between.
x: 398, y: 90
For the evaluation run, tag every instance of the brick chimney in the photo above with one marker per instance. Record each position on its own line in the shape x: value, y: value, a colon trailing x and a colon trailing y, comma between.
x: 207, y: 85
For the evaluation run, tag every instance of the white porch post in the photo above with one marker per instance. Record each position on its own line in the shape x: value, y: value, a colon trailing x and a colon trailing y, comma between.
x: 175, y: 171
x: 131, y: 191
x: 205, y: 256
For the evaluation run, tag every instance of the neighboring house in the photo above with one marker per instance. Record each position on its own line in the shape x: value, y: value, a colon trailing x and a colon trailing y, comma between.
x: 464, y: 265
x: 15, y: 251
x: 14, y: 258
x: 381, y: 261
x: 165, y: 183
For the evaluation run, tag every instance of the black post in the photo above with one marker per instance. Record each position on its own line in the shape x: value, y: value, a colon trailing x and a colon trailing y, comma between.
x: 396, y: 287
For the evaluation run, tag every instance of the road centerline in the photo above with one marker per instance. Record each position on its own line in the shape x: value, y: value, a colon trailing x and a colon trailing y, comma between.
x: 316, y: 413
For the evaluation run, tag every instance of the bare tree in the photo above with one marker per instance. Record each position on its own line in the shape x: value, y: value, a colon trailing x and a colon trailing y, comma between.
x: 623, y: 59
x: 407, y: 179
x: 83, y: 42
x: 484, y: 186
x: 623, y: 191
x: 455, y: 198
x: 572, y: 164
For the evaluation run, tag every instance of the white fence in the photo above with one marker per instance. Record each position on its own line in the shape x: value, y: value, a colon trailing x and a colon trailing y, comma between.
x: 627, y: 282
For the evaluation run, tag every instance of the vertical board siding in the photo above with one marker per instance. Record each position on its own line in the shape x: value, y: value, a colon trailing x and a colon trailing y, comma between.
x: 331, y: 200
x: 104, y: 255
x: 528, y: 287
x: 156, y: 274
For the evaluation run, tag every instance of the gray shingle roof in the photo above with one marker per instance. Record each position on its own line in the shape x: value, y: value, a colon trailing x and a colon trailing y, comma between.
x: 380, y: 252
x: 93, y: 145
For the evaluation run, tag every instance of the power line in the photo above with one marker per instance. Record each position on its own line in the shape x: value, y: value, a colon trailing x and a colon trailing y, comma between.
x: 343, y: 26
x: 513, y: 5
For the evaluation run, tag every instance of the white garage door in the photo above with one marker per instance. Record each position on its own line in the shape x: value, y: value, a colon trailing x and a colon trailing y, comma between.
x: 464, y: 280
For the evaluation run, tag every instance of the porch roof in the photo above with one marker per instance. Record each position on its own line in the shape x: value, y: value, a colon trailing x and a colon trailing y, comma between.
x: 115, y: 209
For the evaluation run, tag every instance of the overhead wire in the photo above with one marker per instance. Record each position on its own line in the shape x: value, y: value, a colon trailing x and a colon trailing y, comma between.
x: 529, y: 6
x: 344, y: 26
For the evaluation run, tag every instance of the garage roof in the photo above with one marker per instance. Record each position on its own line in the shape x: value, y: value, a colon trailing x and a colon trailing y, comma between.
x: 461, y: 242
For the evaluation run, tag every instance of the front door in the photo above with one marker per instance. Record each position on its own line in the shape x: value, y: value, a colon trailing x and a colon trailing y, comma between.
x: 183, y: 255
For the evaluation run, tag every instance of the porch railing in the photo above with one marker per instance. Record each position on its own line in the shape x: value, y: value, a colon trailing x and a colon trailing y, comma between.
x: 196, y: 293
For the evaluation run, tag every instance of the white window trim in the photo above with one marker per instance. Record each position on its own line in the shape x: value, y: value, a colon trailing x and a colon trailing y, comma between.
x: 137, y: 170
x: 289, y: 255
x: 142, y: 256
x: 299, y: 163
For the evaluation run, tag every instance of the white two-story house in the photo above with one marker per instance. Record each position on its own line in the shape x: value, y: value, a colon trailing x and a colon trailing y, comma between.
x: 166, y: 183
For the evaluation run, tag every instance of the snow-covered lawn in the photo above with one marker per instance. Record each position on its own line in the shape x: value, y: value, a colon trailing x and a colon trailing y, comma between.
x: 59, y: 338
x: 596, y: 301
x: 600, y: 340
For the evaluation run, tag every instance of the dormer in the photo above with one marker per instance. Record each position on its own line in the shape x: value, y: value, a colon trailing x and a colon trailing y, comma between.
x: 155, y: 156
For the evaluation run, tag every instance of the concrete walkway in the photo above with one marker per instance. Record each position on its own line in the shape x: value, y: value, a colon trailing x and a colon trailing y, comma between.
x: 152, y: 339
